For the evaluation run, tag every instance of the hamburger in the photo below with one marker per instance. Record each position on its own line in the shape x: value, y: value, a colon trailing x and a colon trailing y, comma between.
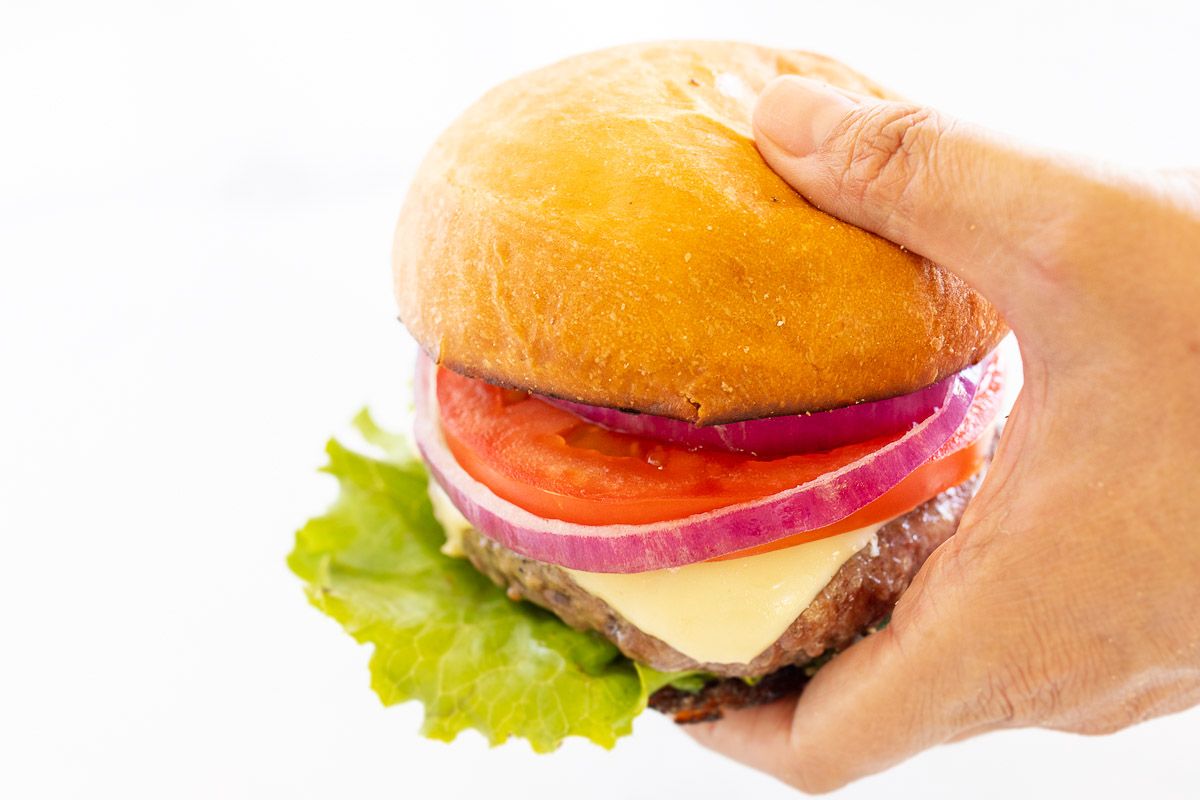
x: 667, y: 408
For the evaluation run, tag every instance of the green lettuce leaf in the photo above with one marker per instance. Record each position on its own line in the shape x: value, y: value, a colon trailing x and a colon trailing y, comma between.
x: 443, y: 633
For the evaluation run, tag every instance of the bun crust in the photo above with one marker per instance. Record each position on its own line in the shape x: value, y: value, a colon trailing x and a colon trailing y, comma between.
x: 604, y: 230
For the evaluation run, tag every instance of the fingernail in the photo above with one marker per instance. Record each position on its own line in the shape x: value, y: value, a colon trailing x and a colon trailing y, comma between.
x: 798, y: 114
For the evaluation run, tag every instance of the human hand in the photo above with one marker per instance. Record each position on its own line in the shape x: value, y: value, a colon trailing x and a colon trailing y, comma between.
x: 1068, y: 597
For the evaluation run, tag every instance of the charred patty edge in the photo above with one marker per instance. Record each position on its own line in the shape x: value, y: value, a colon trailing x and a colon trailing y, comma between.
x: 861, y: 593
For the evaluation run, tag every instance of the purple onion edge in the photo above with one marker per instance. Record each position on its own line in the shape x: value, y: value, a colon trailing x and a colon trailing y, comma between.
x: 660, y: 545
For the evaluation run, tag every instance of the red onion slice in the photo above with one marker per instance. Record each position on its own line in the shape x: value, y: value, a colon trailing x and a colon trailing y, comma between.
x: 640, y: 548
x: 773, y: 436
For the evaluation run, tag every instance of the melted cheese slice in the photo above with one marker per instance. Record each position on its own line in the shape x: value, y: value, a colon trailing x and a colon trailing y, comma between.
x: 715, y: 612
x: 727, y: 612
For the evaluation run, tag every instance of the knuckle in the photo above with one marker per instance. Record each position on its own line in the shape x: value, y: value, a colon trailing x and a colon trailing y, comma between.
x: 1111, y: 712
x: 1029, y: 683
x: 1135, y: 694
x: 1019, y: 671
x: 1021, y: 693
x: 888, y: 148
x: 995, y: 701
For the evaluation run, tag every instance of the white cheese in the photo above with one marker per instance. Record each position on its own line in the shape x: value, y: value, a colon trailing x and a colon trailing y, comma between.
x: 727, y: 612
x: 716, y: 612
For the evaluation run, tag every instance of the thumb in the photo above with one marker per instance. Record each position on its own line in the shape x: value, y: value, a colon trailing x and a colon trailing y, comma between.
x: 959, y: 195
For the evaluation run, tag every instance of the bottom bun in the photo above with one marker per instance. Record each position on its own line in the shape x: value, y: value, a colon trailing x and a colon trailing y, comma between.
x: 726, y: 694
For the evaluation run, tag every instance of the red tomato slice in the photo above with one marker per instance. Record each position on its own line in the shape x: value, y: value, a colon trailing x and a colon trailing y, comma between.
x: 555, y: 465
x: 551, y: 463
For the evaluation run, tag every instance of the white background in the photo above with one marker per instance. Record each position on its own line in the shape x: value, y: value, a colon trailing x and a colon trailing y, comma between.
x: 196, y: 203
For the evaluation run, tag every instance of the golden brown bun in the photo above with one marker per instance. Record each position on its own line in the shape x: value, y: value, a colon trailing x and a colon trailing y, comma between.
x: 604, y: 230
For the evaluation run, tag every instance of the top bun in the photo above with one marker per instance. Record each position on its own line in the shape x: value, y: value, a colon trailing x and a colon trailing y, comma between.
x: 604, y: 230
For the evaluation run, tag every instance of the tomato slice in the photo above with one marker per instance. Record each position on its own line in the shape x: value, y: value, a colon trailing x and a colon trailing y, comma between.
x: 550, y: 462
x: 553, y: 464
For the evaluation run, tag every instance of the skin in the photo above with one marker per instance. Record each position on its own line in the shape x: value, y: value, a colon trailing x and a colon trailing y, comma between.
x: 1067, y: 599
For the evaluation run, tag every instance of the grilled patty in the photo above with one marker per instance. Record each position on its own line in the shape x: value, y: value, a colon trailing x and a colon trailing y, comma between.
x: 861, y: 593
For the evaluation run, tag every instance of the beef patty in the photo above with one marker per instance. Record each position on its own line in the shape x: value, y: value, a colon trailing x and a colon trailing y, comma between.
x: 862, y: 592
x: 858, y: 596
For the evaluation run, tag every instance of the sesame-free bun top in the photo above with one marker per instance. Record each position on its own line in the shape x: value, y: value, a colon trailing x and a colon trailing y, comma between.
x: 604, y: 230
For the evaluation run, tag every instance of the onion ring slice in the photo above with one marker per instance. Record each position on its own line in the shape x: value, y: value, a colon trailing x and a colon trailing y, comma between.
x: 640, y: 548
x: 772, y: 436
